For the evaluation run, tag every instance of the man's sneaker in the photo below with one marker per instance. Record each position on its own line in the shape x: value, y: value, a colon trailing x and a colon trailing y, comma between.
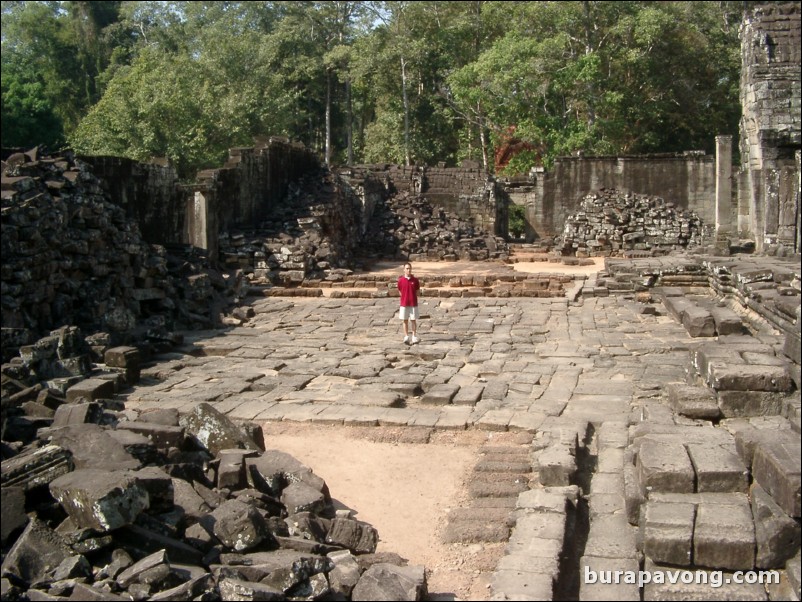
x: 415, y: 339
x: 406, y: 339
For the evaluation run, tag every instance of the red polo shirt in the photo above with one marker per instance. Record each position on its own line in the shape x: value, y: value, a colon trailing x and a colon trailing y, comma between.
x: 408, y: 287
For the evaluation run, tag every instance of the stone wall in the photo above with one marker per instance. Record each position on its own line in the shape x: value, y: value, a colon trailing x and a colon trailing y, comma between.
x: 148, y: 192
x: 241, y: 193
x: 467, y: 191
x: 687, y: 180
x: 768, y: 200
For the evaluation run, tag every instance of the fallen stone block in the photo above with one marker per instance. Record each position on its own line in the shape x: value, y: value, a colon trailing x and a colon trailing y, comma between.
x: 147, y: 541
x: 666, y: 531
x: 693, y: 402
x: 37, y: 551
x: 231, y: 469
x: 746, y: 404
x: 237, y: 525
x: 77, y: 413
x: 92, y: 446
x: 750, y: 377
x: 777, y: 535
x: 345, y: 574
x: 357, y: 536
x: 698, y: 322
x: 12, y: 510
x: 664, y: 466
x: 34, y: 467
x: 100, y: 500
x: 159, y: 487
x: 236, y: 589
x: 718, y: 468
x: 724, y: 536
x: 214, y: 430
x: 272, y: 470
x: 302, y: 497
x: 163, y: 437
x: 91, y: 389
x: 384, y: 581
x: 777, y: 467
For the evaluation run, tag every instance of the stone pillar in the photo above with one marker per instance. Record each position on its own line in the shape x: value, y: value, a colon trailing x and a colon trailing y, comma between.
x: 724, y: 208
x: 201, y: 231
x: 798, y: 199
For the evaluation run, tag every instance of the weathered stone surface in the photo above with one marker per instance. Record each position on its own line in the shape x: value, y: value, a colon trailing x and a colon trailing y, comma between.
x: 384, y: 581
x: 35, y: 467
x: 736, y: 404
x: 100, y: 500
x: 345, y: 574
x: 664, y: 466
x: 235, y: 589
x: 724, y: 536
x: 91, y: 389
x: 667, y: 532
x: 214, y: 430
x: 162, y: 436
x: 597, y: 579
x: 441, y: 394
x: 237, y: 525
x: 693, y: 402
x: 776, y: 534
x: 77, y: 413
x: 302, y: 497
x: 92, y: 447
x: 36, y: 552
x: 12, y: 510
x: 750, y: 377
x: 718, y: 468
x: 359, y: 537
x: 777, y: 467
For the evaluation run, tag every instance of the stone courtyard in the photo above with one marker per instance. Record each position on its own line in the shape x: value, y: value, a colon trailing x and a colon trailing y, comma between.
x: 663, y: 423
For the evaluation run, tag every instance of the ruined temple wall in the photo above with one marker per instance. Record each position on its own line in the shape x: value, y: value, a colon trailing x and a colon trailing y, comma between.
x: 688, y: 181
x: 239, y: 195
x: 770, y: 125
x: 466, y: 191
x: 148, y: 192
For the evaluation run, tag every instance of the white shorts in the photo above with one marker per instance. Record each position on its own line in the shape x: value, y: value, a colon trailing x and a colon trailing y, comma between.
x: 408, y: 313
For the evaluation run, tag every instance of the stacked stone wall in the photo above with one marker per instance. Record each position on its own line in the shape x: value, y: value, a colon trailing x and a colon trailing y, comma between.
x: 148, y: 192
x: 687, y: 180
x: 467, y: 192
x: 771, y: 126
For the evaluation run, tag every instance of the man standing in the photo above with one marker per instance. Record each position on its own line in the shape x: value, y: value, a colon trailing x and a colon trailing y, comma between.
x: 408, y: 286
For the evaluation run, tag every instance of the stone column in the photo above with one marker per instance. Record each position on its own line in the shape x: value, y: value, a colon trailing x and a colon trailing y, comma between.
x: 724, y: 208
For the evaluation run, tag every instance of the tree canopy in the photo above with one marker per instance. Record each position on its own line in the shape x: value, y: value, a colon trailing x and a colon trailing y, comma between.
x: 361, y: 82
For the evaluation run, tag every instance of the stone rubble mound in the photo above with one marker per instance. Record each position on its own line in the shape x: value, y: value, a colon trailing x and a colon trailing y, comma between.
x: 309, y: 236
x: 407, y: 226
x: 103, y: 503
x: 72, y: 257
x: 612, y: 223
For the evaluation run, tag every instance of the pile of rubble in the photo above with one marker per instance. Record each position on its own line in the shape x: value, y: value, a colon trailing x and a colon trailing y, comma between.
x: 72, y: 257
x: 307, y: 237
x: 105, y: 503
x: 407, y: 226
x: 611, y: 222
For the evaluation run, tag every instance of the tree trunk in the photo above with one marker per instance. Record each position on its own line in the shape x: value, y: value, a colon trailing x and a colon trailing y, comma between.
x: 482, y: 137
x: 406, y: 110
x: 349, y: 130
x: 328, y: 118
